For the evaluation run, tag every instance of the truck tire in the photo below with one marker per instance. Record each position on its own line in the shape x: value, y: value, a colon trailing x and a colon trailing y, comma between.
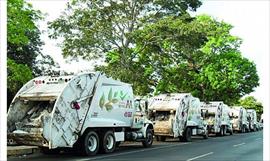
x: 242, y: 129
x: 224, y: 130
x: 163, y: 138
x: 108, y: 142
x: 90, y: 143
x: 147, y: 142
x: 221, y: 132
x: 187, y: 135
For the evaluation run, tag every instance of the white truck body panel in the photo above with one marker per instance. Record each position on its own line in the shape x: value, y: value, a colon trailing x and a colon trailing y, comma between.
x: 253, y: 124
x: 174, y: 112
x: 215, y: 115
x: 218, y: 116
x: 55, y: 111
x: 239, y: 115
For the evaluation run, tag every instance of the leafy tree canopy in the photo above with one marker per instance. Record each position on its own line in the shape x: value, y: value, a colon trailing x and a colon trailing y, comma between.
x: 92, y: 28
x: 24, y: 46
x: 18, y: 75
x: 21, y: 18
x: 184, y: 54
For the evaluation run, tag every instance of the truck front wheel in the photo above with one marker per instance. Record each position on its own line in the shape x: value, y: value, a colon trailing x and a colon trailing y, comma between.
x: 90, y: 143
x: 147, y: 142
x: 108, y: 143
x: 224, y: 130
x: 187, y: 135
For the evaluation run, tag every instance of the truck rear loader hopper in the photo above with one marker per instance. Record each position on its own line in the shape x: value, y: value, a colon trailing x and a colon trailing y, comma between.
x: 88, y: 110
x: 177, y: 115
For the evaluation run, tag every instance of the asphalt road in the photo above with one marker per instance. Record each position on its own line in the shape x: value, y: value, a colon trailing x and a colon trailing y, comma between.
x: 239, y: 147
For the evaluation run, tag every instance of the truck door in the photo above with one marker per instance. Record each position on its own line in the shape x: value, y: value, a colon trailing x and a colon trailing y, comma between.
x: 139, y: 115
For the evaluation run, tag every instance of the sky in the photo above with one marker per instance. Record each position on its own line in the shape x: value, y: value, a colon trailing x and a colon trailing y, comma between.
x: 250, y: 19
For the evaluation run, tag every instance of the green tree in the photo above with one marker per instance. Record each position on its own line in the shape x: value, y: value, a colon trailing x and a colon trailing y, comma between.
x: 227, y: 77
x: 21, y: 21
x: 93, y: 28
x: 18, y: 75
x: 197, y: 55
x: 158, y: 47
x: 24, y: 46
x: 24, y: 43
x: 104, y: 28
x: 251, y: 102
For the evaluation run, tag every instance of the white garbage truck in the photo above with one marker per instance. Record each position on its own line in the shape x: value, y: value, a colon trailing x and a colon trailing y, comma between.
x: 239, y: 119
x: 252, y: 119
x: 217, y: 118
x: 89, y: 111
x: 176, y: 115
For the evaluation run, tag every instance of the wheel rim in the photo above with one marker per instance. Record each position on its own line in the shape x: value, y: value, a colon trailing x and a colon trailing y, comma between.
x: 109, y: 142
x: 92, y: 143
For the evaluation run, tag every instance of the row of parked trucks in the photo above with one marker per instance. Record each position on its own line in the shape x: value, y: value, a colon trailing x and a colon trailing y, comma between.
x: 94, y: 113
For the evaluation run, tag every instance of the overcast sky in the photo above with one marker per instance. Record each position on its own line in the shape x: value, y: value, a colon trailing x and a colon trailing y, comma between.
x: 249, y: 18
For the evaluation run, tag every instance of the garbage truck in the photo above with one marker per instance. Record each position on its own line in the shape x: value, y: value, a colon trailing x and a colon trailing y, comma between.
x: 88, y: 111
x: 176, y: 115
x: 252, y: 119
x: 239, y: 119
x: 217, y: 118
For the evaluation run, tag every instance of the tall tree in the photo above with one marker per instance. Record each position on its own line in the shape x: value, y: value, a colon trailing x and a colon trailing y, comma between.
x: 92, y: 28
x: 104, y: 28
x: 197, y: 55
x: 23, y: 45
x: 158, y: 47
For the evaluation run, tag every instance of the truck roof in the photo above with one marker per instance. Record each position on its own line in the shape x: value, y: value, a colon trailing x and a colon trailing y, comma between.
x: 167, y: 102
x: 50, y: 87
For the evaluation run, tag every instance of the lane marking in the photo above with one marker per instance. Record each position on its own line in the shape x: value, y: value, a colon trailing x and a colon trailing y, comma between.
x: 130, y: 152
x: 200, y: 156
x: 239, y: 144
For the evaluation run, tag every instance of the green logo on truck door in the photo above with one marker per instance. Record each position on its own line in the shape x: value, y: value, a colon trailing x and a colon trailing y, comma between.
x: 112, y: 99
